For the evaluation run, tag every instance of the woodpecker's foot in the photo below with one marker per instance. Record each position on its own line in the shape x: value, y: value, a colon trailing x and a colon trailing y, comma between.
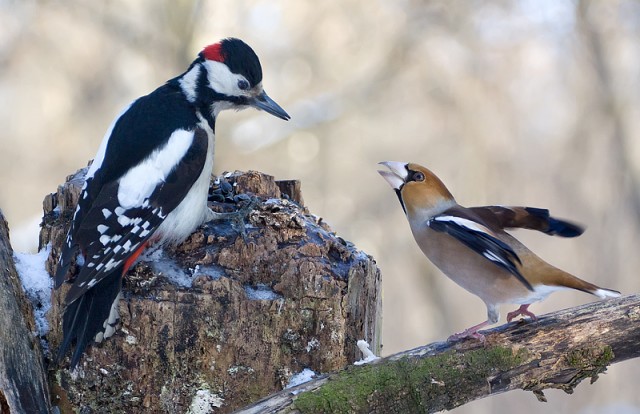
x: 221, y: 191
x: 237, y: 218
x: 470, y: 333
x: 522, y: 310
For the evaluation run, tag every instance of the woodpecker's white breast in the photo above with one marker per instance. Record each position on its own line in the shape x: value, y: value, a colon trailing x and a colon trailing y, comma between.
x: 193, y: 209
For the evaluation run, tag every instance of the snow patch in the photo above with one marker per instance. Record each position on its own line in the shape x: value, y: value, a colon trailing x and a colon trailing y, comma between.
x: 37, y: 284
x: 367, y: 355
x: 301, y: 377
x: 214, y: 272
x: 261, y: 291
x: 168, y: 268
x: 205, y: 402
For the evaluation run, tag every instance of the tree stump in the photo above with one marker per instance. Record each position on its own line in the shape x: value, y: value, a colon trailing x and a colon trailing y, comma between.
x: 221, y: 321
x: 23, y: 385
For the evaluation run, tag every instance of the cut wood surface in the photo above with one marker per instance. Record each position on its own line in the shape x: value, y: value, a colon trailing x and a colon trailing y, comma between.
x: 558, y: 351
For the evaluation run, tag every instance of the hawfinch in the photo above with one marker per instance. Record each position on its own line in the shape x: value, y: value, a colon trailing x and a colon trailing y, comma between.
x: 470, y: 246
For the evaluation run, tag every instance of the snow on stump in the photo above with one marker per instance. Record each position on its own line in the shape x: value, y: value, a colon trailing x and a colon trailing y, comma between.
x: 220, y: 321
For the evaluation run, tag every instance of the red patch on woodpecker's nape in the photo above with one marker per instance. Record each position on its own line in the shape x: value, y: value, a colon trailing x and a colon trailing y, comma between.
x: 213, y: 52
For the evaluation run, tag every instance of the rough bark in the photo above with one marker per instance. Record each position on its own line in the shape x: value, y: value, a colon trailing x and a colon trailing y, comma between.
x: 215, y: 344
x: 558, y: 351
x: 23, y: 385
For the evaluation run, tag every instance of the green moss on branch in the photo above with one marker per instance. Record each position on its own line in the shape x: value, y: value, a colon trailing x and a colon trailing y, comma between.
x: 359, y: 389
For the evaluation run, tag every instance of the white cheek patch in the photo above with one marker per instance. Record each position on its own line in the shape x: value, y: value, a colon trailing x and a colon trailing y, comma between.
x: 222, y: 80
x: 140, y: 181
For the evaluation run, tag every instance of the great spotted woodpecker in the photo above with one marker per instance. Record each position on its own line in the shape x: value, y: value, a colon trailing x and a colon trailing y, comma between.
x: 149, y: 181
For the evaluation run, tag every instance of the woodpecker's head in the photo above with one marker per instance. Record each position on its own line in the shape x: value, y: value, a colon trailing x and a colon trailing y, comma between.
x: 228, y: 75
x: 421, y: 194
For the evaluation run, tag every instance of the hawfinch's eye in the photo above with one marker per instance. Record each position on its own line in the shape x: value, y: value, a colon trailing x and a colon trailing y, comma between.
x: 243, y: 85
x: 417, y: 176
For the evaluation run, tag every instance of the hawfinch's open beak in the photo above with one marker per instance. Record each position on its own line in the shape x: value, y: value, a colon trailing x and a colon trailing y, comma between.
x: 397, y: 175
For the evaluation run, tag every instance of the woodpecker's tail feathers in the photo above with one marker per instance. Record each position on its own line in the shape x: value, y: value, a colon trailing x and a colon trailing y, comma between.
x: 69, y: 250
x: 91, y: 317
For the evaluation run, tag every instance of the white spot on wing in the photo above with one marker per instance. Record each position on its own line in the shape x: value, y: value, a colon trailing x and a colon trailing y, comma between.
x: 470, y: 224
x: 106, y: 213
x: 124, y: 220
x: 102, y: 228
x: 112, y: 263
x: 493, y: 257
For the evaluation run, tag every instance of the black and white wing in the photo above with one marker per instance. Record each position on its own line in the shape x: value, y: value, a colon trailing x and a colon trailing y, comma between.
x: 481, y: 240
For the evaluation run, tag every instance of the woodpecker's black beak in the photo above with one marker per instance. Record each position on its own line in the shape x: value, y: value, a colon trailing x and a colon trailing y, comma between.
x: 267, y: 104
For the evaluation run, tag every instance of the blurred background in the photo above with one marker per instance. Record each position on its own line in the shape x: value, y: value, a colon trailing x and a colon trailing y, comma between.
x: 531, y: 103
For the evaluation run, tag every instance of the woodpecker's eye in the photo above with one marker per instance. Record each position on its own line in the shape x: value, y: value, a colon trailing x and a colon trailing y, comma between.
x: 243, y: 84
x: 417, y: 176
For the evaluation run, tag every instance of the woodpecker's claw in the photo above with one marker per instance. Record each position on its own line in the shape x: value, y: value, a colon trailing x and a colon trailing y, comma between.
x: 237, y: 218
x: 221, y: 191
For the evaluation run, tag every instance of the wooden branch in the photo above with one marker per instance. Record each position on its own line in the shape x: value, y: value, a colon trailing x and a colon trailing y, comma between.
x: 23, y: 384
x: 558, y: 351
